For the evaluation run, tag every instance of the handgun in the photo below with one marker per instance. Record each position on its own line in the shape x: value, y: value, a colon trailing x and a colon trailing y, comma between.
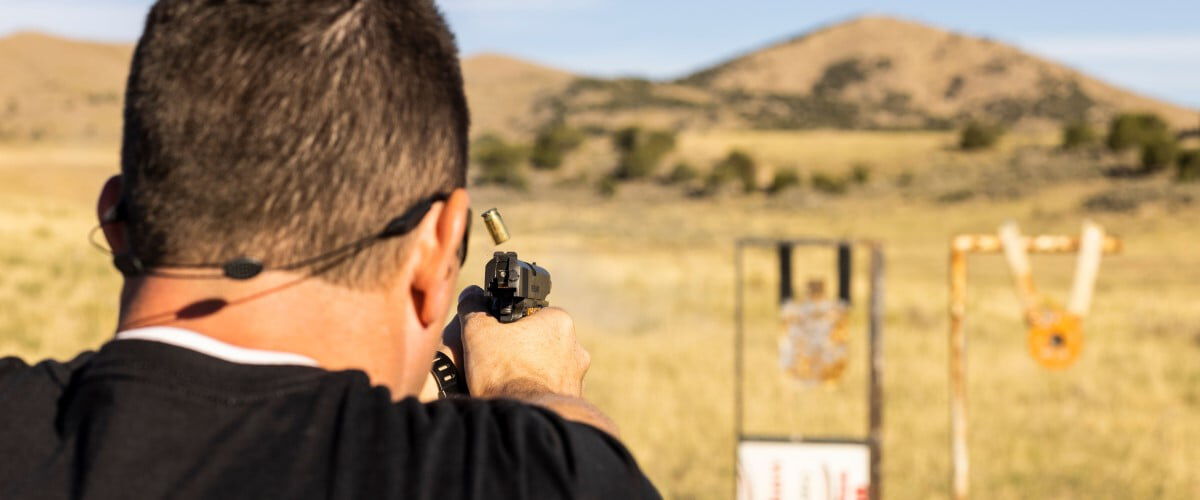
x: 516, y: 288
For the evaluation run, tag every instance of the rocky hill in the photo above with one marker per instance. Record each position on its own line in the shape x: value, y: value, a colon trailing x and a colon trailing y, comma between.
x: 869, y: 72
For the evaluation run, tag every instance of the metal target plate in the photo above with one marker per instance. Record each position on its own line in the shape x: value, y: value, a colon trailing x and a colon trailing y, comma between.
x: 814, y: 347
x: 1056, y: 340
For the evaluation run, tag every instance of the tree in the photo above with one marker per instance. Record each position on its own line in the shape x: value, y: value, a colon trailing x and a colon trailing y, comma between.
x: 552, y: 145
x: 1158, y: 154
x: 606, y: 187
x: 640, y: 152
x: 860, y: 174
x: 737, y: 165
x: 1188, y: 166
x: 499, y: 162
x: 1136, y: 130
x: 977, y: 136
x: 785, y: 178
x: 829, y: 184
x: 682, y: 173
x: 1078, y: 135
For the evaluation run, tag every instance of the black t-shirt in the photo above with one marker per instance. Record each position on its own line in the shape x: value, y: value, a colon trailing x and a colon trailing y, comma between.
x: 143, y: 419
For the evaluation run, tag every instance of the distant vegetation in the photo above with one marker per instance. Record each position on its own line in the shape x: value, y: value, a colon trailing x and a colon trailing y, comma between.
x: 737, y: 166
x: 552, y: 145
x: 785, y: 179
x: 977, y: 136
x: 499, y: 162
x: 1188, y: 166
x: 640, y: 151
x: 1136, y: 130
x: 682, y: 173
x: 1136, y: 146
x: 1079, y: 135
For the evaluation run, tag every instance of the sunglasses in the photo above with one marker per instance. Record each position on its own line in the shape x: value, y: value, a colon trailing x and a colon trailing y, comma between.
x: 245, y: 268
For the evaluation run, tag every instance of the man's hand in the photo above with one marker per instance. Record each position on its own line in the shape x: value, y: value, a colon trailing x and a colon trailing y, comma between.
x: 536, y: 359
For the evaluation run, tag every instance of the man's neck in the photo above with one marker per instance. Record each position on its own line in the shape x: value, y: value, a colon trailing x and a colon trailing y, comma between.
x: 337, y: 327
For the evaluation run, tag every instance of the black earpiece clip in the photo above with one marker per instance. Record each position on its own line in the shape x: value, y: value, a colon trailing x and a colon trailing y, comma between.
x: 128, y: 264
x: 242, y: 268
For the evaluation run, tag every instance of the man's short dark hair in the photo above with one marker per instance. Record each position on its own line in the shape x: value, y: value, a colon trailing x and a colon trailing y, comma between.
x: 282, y: 129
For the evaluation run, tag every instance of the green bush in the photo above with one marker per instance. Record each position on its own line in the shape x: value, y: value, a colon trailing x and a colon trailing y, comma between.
x: 553, y: 144
x: 860, y: 174
x: 829, y: 184
x: 738, y: 165
x: 976, y: 136
x: 1188, y: 166
x: 682, y: 173
x: 1078, y: 135
x: 1134, y: 130
x: 640, y: 152
x: 784, y: 179
x: 607, y: 187
x: 1158, y: 154
x: 499, y: 162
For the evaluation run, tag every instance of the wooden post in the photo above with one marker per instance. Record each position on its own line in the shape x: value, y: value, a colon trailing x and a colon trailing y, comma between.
x: 960, y: 466
x: 875, y: 335
x: 960, y: 247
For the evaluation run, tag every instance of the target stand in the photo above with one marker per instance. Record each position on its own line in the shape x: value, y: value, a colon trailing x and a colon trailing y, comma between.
x: 811, y: 467
x: 1055, y: 335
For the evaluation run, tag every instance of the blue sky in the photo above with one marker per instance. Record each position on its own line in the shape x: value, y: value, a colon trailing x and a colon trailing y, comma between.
x: 1150, y: 46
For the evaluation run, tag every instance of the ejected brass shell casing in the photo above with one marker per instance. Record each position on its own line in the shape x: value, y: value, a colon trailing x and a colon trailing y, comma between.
x: 495, y: 226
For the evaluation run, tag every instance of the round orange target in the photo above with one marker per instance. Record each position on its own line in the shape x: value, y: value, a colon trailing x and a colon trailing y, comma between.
x: 1056, y: 341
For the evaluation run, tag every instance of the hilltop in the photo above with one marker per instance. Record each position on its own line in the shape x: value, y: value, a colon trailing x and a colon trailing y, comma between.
x: 866, y: 73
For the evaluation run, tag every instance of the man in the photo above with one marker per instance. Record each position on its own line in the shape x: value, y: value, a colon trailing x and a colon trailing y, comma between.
x: 289, y: 218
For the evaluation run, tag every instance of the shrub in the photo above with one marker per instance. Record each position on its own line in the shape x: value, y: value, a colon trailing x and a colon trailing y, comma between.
x: 829, y: 184
x: 553, y: 144
x: 1158, y: 154
x: 860, y: 174
x: 1130, y: 130
x: 784, y: 179
x: 682, y: 173
x: 738, y: 165
x: 607, y: 187
x: 976, y: 136
x: 1188, y: 166
x: 1078, y: 135
x: 499, y: 162
x: 1123, y: 199
x: 640, y: 151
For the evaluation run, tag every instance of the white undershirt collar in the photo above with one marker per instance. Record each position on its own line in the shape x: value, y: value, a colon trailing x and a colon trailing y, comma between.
x: 204, y: 344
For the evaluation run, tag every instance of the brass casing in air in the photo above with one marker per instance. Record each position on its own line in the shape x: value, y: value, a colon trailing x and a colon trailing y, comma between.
x: 495, y: 226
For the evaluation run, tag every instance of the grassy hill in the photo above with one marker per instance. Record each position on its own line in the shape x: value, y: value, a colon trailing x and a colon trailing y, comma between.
x: 58, y: 90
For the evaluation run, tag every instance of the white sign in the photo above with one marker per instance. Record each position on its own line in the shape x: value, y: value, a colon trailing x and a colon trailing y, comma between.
x: 808, y: 471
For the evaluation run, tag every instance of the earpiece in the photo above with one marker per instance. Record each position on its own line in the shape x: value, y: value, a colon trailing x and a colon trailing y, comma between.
x: 114, y: 214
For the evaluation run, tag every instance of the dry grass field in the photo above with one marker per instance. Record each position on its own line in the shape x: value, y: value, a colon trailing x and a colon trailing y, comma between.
x: 648, y: 276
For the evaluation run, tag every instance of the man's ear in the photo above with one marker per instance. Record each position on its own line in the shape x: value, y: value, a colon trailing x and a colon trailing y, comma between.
x: 434, y: 279
x: 111, y: 216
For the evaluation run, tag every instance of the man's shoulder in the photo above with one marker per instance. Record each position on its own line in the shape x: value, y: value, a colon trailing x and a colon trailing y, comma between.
x: 534, y: 446
x: 50, y: 373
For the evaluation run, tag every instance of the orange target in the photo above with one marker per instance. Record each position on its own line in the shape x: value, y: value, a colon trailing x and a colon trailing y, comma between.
x: 1056, y: 340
